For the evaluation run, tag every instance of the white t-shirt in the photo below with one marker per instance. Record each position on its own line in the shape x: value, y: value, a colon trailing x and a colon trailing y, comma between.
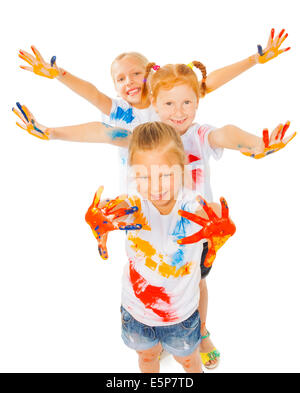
x: 123, y: 115
x: 160, y: 284
x: 199, y: 151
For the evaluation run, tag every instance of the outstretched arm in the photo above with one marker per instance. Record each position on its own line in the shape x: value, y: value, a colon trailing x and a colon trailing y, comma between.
x: 223, y: 75
x: 232, y: 137
x: 89, y: 132
x: 50, y: 70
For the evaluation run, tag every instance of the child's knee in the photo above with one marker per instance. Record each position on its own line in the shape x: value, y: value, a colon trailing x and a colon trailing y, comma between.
x: 188, y: 361
x: 150, y: 355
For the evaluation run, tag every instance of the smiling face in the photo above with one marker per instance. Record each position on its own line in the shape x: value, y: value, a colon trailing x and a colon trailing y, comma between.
x: 128, y: 75
x: 158, y: 177
x: 177, y: 107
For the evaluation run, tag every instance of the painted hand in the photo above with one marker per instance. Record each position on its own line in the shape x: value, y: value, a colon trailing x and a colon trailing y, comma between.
x: 272, y: 49
x: 29, y: 123
x: 271, y: 144
x: 215, y: 229
x: 103, y: 219
x: 38, y: 64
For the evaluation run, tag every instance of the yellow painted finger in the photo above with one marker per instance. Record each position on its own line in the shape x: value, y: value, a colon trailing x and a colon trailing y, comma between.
x: 37, y: 54
x: 27, y: 68
x: 26, y: 59
x: 19, y: 115
x: 21, y: 126
x: 27, y: 112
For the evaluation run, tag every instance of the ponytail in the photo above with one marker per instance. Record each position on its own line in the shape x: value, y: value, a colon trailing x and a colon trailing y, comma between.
x: 202, y: 68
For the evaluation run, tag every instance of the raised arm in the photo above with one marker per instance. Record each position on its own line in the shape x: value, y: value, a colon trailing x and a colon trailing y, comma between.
x: 50, y: 70
x: 95, y: 132
x: 232, y: 137
x: 223, y: 75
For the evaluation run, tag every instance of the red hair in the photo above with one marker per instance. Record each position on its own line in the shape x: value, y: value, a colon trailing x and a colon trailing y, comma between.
x: 171, y: 75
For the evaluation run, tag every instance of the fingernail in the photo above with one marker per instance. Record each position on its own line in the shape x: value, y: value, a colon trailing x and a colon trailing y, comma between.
x: 272, y: 33
x: 288, y: 48
x: 282, y: 31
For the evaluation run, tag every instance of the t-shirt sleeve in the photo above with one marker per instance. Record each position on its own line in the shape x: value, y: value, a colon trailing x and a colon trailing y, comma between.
x: 203, y: 132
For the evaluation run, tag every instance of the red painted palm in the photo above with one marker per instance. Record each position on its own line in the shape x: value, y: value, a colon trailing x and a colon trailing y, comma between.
x: 215, y: 229
x: 102, y: 219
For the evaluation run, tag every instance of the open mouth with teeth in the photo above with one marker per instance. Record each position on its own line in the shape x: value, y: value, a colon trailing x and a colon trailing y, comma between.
x: 133, y: 92
x: 178, y: 122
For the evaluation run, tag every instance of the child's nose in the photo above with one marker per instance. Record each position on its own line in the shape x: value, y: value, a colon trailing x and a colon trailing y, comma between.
x: 179, y: 111
x: 129, y: 80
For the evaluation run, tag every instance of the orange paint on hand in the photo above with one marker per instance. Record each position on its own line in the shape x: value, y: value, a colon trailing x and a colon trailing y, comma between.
x: 215, y: 229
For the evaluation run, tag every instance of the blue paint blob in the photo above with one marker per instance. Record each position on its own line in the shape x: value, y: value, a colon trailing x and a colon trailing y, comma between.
x: 52, y: 61
x: 119, y: 134
x: 23, y: 113
x: 270, y: 152
x: 120, y: 114
x: 178, y: 258
x: 260, y: 50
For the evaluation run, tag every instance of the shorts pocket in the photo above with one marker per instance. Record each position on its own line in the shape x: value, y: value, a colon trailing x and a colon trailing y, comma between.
x: 126, y: 317
x: 192, y: 322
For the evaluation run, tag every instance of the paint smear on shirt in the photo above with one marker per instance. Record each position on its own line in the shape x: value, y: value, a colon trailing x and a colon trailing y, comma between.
x: 150, y: 295
x: 192, y: 158
x: 201, y: 132
x: 120, y: 114
x: 197, y: 176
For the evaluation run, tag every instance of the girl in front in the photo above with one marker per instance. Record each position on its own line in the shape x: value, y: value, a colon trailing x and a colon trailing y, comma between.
x: 160, y: 285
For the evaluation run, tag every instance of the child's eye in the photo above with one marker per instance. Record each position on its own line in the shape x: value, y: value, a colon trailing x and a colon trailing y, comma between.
x: 187, y: 102
x: 137, y: 73
x: 120, y: 79
x: 169, y: 103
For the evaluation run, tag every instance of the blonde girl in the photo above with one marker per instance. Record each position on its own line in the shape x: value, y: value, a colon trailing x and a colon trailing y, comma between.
x: 160, y: 292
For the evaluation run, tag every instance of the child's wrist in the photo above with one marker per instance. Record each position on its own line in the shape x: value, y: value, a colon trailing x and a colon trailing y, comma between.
x: 61, y: 74
x: 254, y: 59
x: 50, y: 132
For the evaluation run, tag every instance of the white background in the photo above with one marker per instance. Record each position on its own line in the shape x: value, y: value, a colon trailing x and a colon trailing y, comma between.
x: 59, y: 302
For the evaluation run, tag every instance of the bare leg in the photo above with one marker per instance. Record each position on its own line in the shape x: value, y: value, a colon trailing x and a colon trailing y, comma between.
x: 149, y: 359
x: 206, y: 344
x: 191, y: 363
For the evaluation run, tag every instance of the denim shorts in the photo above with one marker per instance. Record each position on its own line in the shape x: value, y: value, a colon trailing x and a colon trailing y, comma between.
x: 181, y: 339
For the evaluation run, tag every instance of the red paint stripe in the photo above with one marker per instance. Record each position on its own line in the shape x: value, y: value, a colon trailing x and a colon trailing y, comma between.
x: 197, y: 176
x: 150, y: 295
x: 192, y: 158
x: 266, y: 137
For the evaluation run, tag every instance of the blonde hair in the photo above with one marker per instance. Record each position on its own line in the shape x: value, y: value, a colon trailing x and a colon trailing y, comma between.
x: 171, y: 75
x: 157, y: 135
x: 136, y: 55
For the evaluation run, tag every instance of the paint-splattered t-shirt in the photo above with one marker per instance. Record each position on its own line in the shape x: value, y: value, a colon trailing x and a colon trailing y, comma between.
x: 161, y: 280
x: 199, y: 151
x: 123, y: 115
